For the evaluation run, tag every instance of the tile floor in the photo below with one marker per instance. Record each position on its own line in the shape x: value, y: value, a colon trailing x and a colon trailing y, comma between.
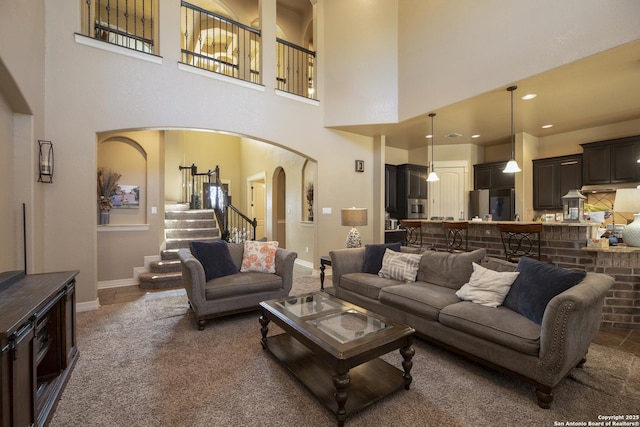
x: 623, y: 339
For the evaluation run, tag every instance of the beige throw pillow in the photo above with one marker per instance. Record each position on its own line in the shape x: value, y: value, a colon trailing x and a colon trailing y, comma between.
x: 399, y: 266
x: 259, y: 256
x: 487, y: 287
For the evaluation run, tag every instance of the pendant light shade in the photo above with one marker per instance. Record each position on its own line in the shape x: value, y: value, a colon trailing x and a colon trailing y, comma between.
x: 512, y: 165
x: 433, y: 176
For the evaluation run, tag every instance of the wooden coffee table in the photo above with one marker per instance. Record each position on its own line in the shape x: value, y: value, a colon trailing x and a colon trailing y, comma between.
x: 333, y: 348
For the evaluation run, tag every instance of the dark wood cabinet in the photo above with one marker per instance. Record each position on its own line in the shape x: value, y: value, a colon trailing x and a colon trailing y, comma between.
x: 489, y: 176
x: 612, y: 161
x: 390, y: 185
x: 553, y: 178
x: 412, y: 182
x: 38, y: 344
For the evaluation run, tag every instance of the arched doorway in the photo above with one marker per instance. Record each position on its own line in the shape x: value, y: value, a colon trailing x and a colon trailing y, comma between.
x: 278, y: 201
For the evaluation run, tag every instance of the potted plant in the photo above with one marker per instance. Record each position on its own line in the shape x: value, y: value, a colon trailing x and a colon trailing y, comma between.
x: 107, y: 185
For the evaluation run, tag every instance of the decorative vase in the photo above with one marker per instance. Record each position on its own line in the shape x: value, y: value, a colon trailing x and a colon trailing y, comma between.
x: 104, y: 216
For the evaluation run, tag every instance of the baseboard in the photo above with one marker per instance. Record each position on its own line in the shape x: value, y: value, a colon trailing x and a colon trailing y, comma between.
x: 87, y: 306
x: 304, y: 263
x: 106, y: 284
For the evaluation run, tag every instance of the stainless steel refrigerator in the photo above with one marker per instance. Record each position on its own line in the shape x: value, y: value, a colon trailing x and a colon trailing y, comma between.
x: 500, y: 203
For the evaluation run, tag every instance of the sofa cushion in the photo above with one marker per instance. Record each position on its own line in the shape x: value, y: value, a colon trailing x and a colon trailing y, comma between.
x: 241, y: 284
x: 500, y: 325
x: 486, y: 287
x: 536, y: 285
x: 214, y: 257
x: 448, y: 269
x: 399, y: 266
x: 419, y: 298
x: 365, y: 284
x: 373, y: 255
x: 259, y: 256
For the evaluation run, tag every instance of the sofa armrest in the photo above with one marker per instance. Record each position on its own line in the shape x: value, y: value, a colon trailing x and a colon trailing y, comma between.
x: 284, y: 267
x: 571, y: 321
x: 193, y: 277
x: 344, y: 261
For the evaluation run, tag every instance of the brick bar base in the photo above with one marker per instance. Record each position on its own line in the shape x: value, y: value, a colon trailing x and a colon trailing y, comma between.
x: 565, y: 245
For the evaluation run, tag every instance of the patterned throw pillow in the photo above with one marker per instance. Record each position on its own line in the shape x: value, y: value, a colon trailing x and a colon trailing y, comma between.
x: 259, y: 256
x: 400, y: 266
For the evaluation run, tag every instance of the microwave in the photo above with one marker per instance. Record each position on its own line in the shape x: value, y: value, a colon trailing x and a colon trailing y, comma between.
x: 416, y: 208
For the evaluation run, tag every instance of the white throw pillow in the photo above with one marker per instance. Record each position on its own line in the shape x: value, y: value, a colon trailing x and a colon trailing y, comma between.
x: 487, y: 287
x: 400, y: 266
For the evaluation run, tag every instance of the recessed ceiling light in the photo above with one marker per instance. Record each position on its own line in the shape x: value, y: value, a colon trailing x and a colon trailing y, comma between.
x: 529, y: 96
x: 547, y: 126
x: 475, y: 136
x: 454, y: 135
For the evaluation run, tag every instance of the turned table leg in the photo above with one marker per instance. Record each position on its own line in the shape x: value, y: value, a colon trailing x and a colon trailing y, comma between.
x: 264, y: 329
x: 341, y: 382
x: 407, y: 353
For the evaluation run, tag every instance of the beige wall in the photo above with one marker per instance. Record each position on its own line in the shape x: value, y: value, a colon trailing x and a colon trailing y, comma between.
x: 363, y: 53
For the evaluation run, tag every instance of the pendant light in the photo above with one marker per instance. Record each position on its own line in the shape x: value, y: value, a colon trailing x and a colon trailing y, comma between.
x: 512, y: 165
x: 433, y: 176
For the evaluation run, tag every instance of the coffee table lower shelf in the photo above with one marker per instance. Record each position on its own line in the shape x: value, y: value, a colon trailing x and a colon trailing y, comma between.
x: 370, y: 381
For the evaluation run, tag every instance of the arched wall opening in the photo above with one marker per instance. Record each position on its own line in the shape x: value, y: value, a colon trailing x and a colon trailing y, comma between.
x: 240, y: 160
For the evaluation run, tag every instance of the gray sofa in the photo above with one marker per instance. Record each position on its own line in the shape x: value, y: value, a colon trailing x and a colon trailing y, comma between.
x: 234, y: 293
x: 498, y: 337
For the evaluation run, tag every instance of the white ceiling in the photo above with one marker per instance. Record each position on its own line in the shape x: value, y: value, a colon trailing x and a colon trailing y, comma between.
x: 595, y: 91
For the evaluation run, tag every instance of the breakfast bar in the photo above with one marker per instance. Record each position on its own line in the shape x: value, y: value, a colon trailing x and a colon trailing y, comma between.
x: 566, y: 245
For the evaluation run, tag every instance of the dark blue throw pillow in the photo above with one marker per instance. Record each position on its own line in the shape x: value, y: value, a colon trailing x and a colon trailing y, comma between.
x: 536, y: 285
x: 215, y: 257
x: 373, y: 255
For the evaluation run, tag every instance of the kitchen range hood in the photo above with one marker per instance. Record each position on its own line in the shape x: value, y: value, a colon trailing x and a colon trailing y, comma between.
x: 607, y: 188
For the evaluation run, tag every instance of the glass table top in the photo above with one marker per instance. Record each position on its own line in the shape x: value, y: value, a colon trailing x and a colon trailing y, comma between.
x: 310, y: 304
x: 348, y: 325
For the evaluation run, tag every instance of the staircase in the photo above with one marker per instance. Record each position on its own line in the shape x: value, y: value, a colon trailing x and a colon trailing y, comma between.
x: 181, y: 227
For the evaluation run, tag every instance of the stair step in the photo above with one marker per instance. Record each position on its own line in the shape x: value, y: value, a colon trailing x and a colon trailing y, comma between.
x: 165, y: 266
x: 169, y: 254
x: 195, y: 214
x: 184, y: 243
x: 176, y: 207
x: 160, y: 280
x: 192, y: 233
x: 190, y: 223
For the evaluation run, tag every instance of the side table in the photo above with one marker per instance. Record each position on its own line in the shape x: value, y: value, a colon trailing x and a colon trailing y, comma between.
x: 324, y: 261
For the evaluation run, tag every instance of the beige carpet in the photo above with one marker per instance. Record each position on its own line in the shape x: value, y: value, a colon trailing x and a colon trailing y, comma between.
x: 145, y: 364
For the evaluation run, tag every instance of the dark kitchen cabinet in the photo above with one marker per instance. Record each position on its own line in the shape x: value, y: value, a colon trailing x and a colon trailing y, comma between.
x: 612, y: 161
x: 553, y: 178
x: 488, y: 176
x: 412, y: 182
x: 390, y: 185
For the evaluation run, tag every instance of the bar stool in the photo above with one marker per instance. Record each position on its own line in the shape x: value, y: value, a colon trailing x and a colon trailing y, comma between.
x: 457, y: 235
x: 413, y: 232
x: 522, y: 240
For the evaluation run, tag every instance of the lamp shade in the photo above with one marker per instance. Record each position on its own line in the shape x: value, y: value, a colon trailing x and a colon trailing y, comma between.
x: 354, y: 217
x: 628, y: 200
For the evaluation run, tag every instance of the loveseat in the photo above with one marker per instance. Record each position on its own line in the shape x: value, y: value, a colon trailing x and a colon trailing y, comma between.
x: 540, y: 352
x: 216, y: 284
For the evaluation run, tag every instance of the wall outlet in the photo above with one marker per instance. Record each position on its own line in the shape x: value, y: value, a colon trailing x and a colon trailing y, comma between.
x: 306, y: 249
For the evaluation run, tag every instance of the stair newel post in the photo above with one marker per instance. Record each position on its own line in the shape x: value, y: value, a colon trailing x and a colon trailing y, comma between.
x: 194, y: 171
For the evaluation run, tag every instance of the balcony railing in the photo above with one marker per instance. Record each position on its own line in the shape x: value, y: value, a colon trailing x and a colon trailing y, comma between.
x: 127, y: 23
x: 295, y: 69
x: 215, y: 43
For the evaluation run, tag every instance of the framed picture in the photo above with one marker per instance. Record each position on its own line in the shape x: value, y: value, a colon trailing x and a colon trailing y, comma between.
x: 126, y: 197
x: 359, y: 165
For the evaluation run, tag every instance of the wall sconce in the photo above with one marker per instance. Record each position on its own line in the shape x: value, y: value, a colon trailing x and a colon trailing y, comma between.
x: 45, y: 163
x: 353, y: 218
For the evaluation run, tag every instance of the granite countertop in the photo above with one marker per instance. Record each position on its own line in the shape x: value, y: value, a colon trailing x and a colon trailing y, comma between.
x: 569, y: 224
x: 620, y: 249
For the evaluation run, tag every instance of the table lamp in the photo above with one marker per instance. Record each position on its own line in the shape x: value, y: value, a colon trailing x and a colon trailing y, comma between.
x: 628, y: 200
x: 353, y: 218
